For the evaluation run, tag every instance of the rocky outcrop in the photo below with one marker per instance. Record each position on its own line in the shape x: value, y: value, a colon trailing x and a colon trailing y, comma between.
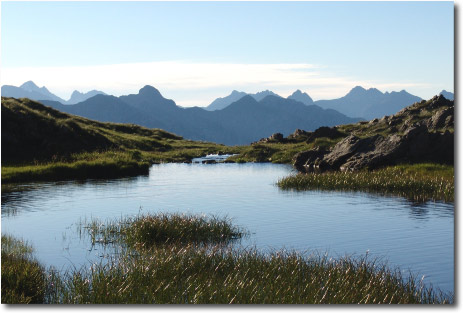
x: 414, y: 140
x: 277, y: 137
x: 442, y: 119
x: 321, y: 132
x: 308, y: 161
x: 327, y: 132
x: 299, y: 135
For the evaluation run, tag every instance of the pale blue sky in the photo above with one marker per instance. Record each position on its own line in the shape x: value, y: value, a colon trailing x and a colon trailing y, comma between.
x: 196, y: 52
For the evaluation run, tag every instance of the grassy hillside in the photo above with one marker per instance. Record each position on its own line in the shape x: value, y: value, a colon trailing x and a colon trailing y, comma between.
x: 40, y: 143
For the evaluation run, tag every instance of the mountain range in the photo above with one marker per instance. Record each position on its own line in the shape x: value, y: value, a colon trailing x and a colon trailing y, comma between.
x: 242, y: 122
x: 32, y: 91
x: 236, y: 119
x: 370, y: 103
x: 359, y: 102
x: 221, y: 103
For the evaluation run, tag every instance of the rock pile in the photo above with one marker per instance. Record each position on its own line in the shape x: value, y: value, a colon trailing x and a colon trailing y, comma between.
x: 414, y: 140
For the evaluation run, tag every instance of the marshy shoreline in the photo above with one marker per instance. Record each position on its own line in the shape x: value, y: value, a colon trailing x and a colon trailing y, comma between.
x: 164, y: 258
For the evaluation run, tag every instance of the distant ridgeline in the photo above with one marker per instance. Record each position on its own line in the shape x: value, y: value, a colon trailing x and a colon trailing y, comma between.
x: 33, y: 92
x: 358, y: 103
x: 240, y: 123
x: 237, y: 119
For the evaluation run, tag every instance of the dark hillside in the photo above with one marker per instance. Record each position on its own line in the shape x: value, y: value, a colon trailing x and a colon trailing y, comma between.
x: 31, y: 131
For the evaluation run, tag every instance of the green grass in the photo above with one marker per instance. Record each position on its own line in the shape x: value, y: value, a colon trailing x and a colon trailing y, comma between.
x: 105, y: 164
x: 161, y: 229
x: 282, y: 153
x: 147, y: 270
x: 23, y: 278
x: 268, y: 152
x: 109, y: 164
x: 192, y: 275
x: 419, y: 182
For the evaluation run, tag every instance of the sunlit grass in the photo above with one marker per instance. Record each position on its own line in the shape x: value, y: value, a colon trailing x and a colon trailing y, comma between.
x: 161, y: 229
x: 175, y: 259
x: 23, y: 278
x: 418, y: 182
x: 269, y: 152
x: 192, y: 275
x: 109, y: 164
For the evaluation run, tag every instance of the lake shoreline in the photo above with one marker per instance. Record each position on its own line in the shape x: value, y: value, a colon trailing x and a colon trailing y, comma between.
x: 215, y: 274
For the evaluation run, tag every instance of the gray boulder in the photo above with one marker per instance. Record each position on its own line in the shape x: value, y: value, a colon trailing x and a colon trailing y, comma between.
x: 328, y: 132
x: 442, y: 118
x: 352, y: 153
x: 277, y: 137
x: 308, y: 161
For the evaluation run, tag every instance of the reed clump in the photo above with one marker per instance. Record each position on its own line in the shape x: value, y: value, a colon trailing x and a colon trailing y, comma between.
x: 164, y: 228
x: 419, y: 182
x: 23, y: 278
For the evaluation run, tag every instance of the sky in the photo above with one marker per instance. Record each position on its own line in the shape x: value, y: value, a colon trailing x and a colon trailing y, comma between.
x: 195, y: 52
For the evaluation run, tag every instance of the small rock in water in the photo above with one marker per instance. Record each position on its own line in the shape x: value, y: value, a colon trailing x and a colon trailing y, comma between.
x: 209, y: 162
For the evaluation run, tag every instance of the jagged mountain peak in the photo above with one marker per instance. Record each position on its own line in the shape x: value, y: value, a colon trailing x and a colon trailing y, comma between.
x: 447, y: 94
x: 300, y: 96
x: 247, y: 98
x: 76, y: 93
x: 29, y: 85
x: 359, y: 91
x: 30, y: 90
x: 266, y: 91
x: 262, y: 94
x: 78, y: 96
x: 297, y: 92
x: 149, y: 91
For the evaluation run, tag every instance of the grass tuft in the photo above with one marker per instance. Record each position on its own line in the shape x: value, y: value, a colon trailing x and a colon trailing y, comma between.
x: 23, y: 278
x: 419, y: 182
x: 160, y: 229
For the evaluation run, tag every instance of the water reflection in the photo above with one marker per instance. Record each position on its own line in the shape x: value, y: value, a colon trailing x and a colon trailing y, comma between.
x: 18, y: 197
x: 417, y: 209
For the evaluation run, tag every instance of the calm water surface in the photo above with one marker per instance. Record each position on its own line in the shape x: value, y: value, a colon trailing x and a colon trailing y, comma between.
x: 416, y: 237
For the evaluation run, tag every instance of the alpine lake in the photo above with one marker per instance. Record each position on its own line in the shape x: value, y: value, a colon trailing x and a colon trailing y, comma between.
x: 415, y: 237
